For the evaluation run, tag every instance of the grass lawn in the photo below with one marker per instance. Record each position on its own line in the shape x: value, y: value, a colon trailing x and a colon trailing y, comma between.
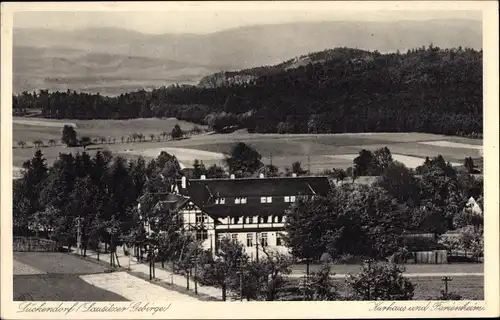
x: 59, y: 287
x: 319, y: 151
x: 428, y: 288
x: 59, y: 263
x: 55, y: 277
x: 410, y: 268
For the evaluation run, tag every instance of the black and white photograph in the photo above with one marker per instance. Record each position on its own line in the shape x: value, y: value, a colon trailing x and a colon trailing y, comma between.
x: 211, y: 153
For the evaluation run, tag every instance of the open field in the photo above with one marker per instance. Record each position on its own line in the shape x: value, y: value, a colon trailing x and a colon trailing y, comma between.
x: 319, y: 151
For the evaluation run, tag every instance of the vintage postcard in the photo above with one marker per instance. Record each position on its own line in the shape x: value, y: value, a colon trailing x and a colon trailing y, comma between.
x: 254, y: 159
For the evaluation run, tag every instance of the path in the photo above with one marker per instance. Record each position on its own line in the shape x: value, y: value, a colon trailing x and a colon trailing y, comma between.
x: 409, y: 275
x: 160, y: 274
x: 134, y: 288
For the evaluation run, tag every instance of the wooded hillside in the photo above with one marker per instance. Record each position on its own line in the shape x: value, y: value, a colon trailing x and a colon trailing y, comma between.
x: 429, y: 90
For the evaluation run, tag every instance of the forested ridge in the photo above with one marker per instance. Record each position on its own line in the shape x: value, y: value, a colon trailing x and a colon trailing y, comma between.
x: 428, y: 90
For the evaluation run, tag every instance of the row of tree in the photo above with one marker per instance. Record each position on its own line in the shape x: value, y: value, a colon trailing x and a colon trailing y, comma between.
x: 424, y: 90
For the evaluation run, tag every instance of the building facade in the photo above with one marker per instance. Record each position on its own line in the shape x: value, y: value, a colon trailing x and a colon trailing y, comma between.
x: 247, y: 210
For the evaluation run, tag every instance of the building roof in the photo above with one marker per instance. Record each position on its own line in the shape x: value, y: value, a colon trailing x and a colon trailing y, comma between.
x: 168, y: 201
x: 203, y: 193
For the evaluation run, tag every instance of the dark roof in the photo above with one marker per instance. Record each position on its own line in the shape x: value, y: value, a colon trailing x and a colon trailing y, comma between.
x: 168, y: 201
x: 204, y: 191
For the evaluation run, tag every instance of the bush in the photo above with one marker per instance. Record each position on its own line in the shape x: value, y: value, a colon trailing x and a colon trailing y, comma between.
x: 380, y: 281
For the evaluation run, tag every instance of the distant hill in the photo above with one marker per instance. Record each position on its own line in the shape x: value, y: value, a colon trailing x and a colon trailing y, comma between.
x: 114, y: 60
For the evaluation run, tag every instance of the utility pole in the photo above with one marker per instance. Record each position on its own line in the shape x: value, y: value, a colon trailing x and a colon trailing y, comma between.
x: 194, y: 261
x: 240, y: 272
x: 446, y: 280
x: 309, y: 165
x: 150, y: 254
x: 257, y: 246
x: 78, y: 237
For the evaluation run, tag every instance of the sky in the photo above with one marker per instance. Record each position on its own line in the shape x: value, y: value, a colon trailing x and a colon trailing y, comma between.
x: 206, y: 19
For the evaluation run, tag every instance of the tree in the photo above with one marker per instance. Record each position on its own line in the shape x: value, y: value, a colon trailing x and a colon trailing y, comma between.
x: 380, y: 281
x: 27, y: 190
x: 52, y: 142
x: 471, y: 240
x: 198, y: 169
x: 69, y: 136
x: 297, y: 169
x: 400, y: 183
x: 85, y: 141
x: 276, y: 265
x: 243, y: 160
x: 322, y: 287
x: 21, y: 143
x: 37, y: 143
x: 177, y: 132
x: 339, y: 174
x: 382, y: 160
x: 467, y: 217
x: 215, y: 172
x: 363, y: 164
x: 269, y: 170
x: 359, y: 220
x: 227, y: 260
x: 152, y: 137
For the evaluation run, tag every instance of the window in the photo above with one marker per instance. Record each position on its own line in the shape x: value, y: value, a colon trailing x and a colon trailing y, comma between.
x: 249, y: 240
x: 220, y: 201
x: 278, y: 239
x: 287, y: 199
x: 199, y: 217
x: 201, y: 235
x: 280, y: 219
x: 263, y: 239
x: 219, y: 238
x: 240, y: 200
x: 266, y: 199
x: 250, y: 220
x: 265, y: 219
x: 236, y: 220
x: 290, y: 199
x: 234, y: 237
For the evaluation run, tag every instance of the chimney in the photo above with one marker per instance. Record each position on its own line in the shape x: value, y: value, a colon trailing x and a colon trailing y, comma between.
x: 203, y: 177
x: 261, y: 175
x: 183, y: 182
x: 294, y: 175
x: 232, y: 176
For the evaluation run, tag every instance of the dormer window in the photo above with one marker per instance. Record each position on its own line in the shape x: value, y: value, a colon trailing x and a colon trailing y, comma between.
x: 289, y: 198
x: 240, y: 200
x: 220, y: 201
x: 266, y: 199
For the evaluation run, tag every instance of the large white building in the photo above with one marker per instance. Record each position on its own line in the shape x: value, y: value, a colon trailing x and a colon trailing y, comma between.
x: 248, y: 210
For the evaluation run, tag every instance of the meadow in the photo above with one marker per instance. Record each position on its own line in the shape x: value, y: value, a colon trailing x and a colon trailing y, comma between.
x: 314, y: 151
